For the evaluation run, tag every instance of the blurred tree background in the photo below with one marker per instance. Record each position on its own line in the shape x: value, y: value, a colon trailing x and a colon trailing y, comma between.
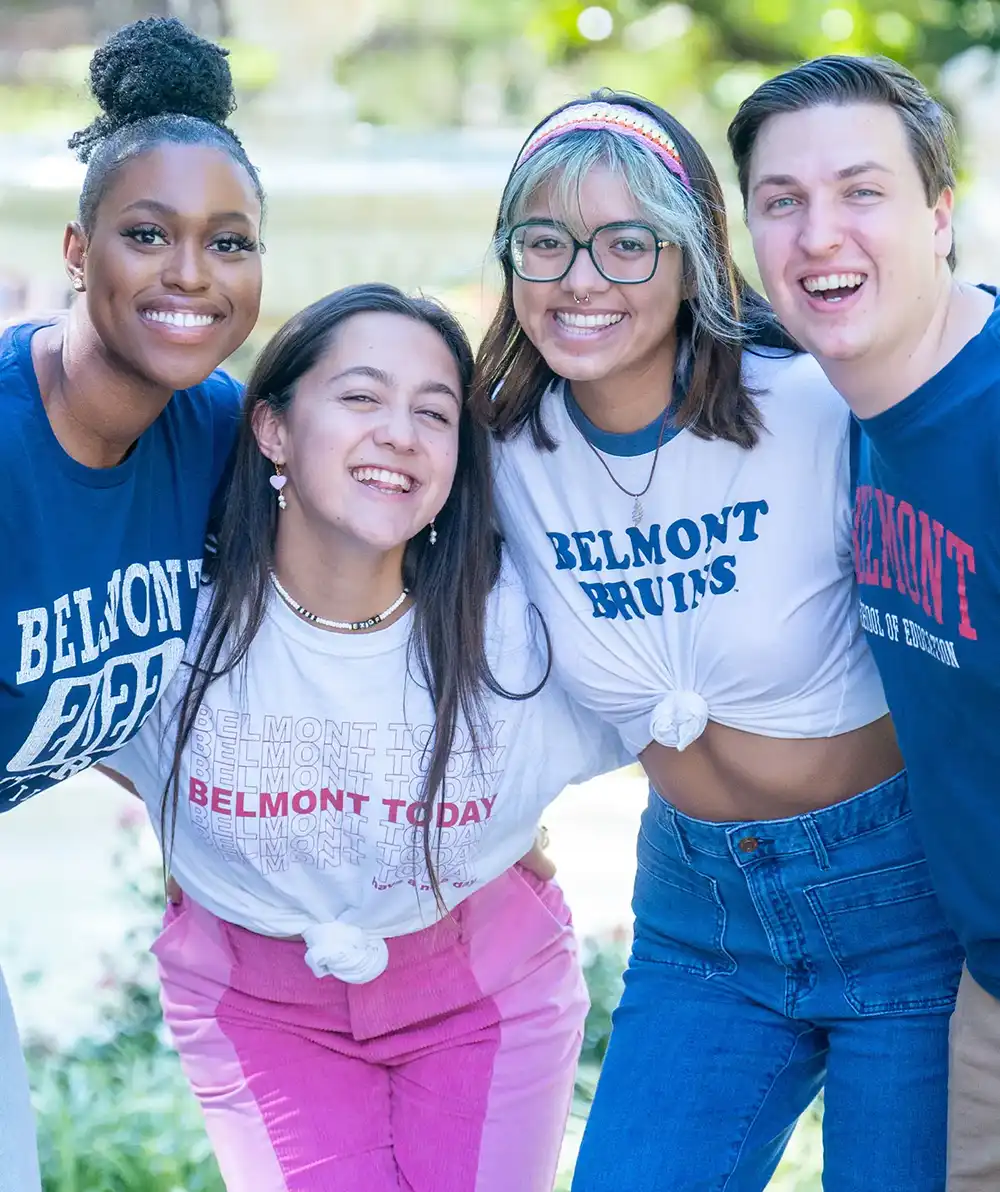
x: 715, y: 48
x: 486, y: 61
x: 339, y: 98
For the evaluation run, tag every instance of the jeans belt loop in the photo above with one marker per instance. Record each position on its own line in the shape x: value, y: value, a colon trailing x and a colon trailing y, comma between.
x: 677, y: 834
x: 816, y: 840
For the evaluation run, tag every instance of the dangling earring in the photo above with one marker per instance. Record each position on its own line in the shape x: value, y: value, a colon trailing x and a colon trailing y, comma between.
x: 433, y: 533
x: 79, y: 284
x: 278, y: 482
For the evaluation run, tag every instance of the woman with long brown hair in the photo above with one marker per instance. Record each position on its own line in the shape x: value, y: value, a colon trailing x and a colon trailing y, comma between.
x: 365, y: 987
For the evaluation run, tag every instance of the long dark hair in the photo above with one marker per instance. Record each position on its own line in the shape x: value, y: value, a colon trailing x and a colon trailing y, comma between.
x: 450, y: 581
x: 714, y: 402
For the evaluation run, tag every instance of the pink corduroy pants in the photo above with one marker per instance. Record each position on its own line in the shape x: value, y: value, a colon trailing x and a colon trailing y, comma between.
x: 451, y: 1072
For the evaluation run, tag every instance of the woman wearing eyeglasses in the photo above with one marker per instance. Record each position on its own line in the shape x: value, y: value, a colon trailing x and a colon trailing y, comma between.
x: 676, y: 494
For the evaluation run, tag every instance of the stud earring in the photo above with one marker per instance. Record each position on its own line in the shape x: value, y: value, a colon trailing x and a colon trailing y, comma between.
x: 433, y: 537
x: 278, y: 482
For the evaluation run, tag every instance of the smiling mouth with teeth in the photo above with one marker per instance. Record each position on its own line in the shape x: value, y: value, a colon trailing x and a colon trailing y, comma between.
x: 574, y: 321
x: 179, y: 318
x: 833, y: 287
x: 383, y: 480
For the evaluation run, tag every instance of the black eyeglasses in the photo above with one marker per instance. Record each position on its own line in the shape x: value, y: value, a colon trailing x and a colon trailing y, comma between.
x: 624, y: 253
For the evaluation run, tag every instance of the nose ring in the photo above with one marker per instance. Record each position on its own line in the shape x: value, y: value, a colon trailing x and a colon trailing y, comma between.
x: 577, y: 299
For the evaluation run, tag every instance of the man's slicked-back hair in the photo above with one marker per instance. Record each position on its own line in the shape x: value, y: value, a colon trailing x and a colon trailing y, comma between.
x: 840, y: 79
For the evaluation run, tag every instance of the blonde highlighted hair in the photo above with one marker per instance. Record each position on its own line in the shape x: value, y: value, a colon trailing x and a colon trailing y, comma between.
x: 719, y: 317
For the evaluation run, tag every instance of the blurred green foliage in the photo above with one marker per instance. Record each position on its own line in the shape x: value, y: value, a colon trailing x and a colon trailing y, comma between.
x: 486, y: 62
x: 773, y: 32
x: 670, y: 51
x: 120, y: 1123
x: 115, y: 1113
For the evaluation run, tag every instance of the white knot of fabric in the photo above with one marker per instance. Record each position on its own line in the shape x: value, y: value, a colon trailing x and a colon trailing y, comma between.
x: 346, y: 952
x: 678, y: 719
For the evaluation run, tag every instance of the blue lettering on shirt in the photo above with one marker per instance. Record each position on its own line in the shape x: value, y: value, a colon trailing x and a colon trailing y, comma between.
x: 634, y: 548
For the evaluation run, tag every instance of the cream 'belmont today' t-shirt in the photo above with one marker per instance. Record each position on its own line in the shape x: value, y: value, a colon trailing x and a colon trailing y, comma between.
x: 300, y: 787
x: 734, y: 597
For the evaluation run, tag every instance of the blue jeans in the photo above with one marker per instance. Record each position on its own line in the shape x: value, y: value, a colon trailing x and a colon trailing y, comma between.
x: 771, y: 959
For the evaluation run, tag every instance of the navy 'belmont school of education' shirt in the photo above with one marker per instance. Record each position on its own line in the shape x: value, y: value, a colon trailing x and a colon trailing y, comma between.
x: 99, y: 572
x: 927, y: 555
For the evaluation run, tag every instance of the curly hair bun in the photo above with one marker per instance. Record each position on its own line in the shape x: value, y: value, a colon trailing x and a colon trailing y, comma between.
x: 153, y: 67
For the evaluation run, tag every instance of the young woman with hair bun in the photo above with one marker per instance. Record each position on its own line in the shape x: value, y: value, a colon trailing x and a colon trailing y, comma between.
x: 116, y: 424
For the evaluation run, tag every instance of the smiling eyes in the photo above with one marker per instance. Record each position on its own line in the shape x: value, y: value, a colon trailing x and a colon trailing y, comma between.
x: 227, y: 244
x: 369, y: 400
x: 627, y: 245
x: 787, y: 202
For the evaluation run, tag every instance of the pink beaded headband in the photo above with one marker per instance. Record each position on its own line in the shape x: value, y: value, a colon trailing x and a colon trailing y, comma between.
x: 618, y: 117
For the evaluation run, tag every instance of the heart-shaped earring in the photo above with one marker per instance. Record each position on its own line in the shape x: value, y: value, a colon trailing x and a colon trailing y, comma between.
x: 278, y: 482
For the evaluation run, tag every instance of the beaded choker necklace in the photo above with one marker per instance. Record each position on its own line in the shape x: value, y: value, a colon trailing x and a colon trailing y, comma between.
x: 346, y: 626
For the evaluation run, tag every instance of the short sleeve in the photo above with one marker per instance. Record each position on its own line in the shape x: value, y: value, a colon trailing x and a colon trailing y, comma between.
x: 846, y: 470
x: 226, y: 396
x: 574, y: 743
x: 145, y: 759
x: 582, y: 745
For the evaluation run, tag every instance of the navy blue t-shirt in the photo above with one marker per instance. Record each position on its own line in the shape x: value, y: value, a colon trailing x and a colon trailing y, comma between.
x: 927, y: 556
x: 100, y: 570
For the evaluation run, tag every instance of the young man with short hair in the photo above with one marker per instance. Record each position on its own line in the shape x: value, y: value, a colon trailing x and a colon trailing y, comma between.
x: 847, y: 175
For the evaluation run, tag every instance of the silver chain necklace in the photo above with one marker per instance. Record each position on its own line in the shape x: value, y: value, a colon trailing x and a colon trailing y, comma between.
x: 347, y: 626
x: 637, y: 510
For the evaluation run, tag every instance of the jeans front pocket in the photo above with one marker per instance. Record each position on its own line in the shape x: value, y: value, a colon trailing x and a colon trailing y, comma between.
x: 889, y: 937
x: 679, y: 916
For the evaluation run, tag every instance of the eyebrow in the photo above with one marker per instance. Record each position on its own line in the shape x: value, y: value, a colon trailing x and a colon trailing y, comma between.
x: 383, y: 378
x: 166, y: 210
x: 861, y: 167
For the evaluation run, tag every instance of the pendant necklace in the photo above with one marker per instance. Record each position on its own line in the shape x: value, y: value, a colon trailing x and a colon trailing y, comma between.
x: 638, y: 512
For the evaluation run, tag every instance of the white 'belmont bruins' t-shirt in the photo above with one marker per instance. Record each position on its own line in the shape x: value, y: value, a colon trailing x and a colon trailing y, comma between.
x: 299, y: 809
x: 734, y: 597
